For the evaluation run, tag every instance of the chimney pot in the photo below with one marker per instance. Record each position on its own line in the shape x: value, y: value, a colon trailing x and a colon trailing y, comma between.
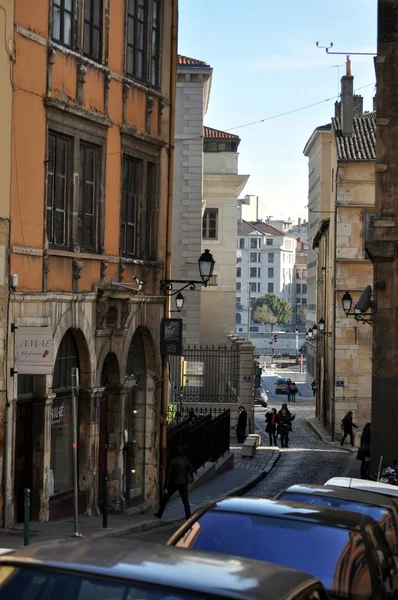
x: 337, y: 109
x: 347, y: 105
x: 358, y: 106
x: 299, y: 221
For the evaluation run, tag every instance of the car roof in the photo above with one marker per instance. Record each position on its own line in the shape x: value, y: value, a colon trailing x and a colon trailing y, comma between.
x: 206, y: 573
x: 364, y: 484
x: 283, y: 379
x: 343, y: 493
x: 281, y: 509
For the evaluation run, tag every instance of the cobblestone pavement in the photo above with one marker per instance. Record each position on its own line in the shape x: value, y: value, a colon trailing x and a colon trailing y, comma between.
x: 307, y: 460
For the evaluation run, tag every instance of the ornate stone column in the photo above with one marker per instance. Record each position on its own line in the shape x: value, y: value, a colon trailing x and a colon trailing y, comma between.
x: 41, y: 460
x: 89, y: 445
x: 117, y: 395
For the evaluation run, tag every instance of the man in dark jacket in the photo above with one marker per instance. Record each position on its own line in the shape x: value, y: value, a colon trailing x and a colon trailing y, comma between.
x: 179, y: 473
x: 284, y: 427
x: 241, y: 425
x: 347, y: 425
x: 364, y: 451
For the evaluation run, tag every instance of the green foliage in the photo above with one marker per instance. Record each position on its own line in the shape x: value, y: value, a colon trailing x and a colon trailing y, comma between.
x: 280, y: 309
x: 263, y: 314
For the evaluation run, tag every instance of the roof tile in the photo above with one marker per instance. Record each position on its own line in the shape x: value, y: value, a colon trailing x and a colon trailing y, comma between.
x: 186, y: 61
x: 217, y: 134
x: 362, y: 144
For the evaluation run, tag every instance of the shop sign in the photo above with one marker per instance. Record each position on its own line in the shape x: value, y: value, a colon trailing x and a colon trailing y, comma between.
x: 171, y: 337
x: 59, y: 415
x: 340, y: 383
x: 34, y: 347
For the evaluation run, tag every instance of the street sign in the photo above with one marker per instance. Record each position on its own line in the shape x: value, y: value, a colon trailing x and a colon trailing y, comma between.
x: 340, y: 383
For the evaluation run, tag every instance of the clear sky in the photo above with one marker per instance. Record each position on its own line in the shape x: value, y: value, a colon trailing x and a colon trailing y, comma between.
x: 265, y: 62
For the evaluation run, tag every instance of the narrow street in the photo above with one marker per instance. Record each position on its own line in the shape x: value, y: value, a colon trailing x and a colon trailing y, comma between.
x: 307, y: 460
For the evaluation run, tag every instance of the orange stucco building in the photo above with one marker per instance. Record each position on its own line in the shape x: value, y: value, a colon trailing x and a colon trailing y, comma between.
x: 92, y: 104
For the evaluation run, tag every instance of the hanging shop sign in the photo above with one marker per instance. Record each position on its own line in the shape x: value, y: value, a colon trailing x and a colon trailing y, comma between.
x: 34, y: 350
x: 171, y: 337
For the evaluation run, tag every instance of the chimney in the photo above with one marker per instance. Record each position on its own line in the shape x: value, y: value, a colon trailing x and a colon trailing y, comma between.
x: 299, y: 221
x: 337, y: 109
x: 347, y: 101
x: 358, y: 106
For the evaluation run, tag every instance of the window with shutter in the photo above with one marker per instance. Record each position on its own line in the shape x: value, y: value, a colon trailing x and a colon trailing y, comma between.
x: 57, y: 189
x: 137, y: 19
x: 129, y: 216
x: 88, y: 198
x: 155, y: 43
x: 93, y: 21
x: 150, y: 249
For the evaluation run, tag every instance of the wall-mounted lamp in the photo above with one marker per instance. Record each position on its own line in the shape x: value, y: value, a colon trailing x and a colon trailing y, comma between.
x: 312, y: 333
x: 206, y: 264
x: 366, y: 307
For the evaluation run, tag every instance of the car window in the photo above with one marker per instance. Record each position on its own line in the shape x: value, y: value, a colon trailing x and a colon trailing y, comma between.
x: 384, y: 555
x: 383, y: 515
x: 37, y: 584
x: 335, y: 556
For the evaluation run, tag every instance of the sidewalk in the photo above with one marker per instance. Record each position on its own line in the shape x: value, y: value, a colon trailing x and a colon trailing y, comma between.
x: 245, y: 474
x: 353, y: 466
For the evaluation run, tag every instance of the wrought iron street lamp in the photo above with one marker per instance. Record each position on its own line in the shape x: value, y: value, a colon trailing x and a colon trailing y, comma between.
x: 321, y: 325
x: 179, y: 302
x: 206, y: 264
x: 366, y: 307
x: 312, y: 333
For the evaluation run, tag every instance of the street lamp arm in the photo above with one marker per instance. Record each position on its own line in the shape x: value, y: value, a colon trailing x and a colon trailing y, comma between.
x: 167, y: 286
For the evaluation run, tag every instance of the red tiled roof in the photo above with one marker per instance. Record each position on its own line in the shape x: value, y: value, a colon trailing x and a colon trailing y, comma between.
x: 216, y: 134
x: 186, y: 61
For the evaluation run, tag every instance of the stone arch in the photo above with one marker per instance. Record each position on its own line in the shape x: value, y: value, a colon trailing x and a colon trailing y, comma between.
x: 110, y: 371
x: 103, y: 354
x: 144, y: 339
x: 78, y: 324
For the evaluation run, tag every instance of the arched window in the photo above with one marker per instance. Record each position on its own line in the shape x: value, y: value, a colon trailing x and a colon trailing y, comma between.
x: 67, y: 358
x: 238, y: 318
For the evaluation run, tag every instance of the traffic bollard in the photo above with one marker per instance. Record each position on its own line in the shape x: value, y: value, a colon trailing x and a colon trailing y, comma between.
x: 105, y: 507
x: 26, y: 520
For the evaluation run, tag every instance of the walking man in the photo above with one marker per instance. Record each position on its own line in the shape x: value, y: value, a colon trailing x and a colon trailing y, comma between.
x: 241, y: 426
x: 179, y: 473
x: 313, y: 385
x: 293, y: 391
x: 272, y: 420
x: 283, y: 428
x: 347, y: 425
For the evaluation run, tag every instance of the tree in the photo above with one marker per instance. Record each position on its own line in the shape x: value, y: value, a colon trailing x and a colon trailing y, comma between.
x: 280, y: 309
x: 263, y: 314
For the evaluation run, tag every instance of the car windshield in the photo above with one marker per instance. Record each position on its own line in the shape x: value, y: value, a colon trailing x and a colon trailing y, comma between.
x: 334, y: 555
x: 38, y: 584
x: 378, y: 513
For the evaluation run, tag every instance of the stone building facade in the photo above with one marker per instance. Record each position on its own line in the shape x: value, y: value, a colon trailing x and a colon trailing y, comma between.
x: 343, y: 355
x: 90, y: 150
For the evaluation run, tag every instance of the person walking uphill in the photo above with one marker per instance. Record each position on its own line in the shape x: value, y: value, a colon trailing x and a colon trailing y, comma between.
x: 293, y: 390
x: 272, y: 420
x: 284, y: 427
x: 179, y: 473
x: 347, y: 425
x: 241, y: 425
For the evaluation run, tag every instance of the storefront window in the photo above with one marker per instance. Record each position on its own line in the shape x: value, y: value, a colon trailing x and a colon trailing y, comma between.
x: 61, y: 473
x: 134, y: 425
x: 61, y: 446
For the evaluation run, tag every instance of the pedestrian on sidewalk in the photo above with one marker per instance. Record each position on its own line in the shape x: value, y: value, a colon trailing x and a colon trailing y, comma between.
x: 241, y: 425
x: 192, y: 416
x: 289, y: 391
x: 179, y: 473
x: 293, y: 391
x: 364, y: 451
x: 313, y: 386
x: 272, y: 420
x: 284, y: 428
x: 347, y: 425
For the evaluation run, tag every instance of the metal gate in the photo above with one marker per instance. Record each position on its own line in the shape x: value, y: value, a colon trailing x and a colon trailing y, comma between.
x: 208, y: 375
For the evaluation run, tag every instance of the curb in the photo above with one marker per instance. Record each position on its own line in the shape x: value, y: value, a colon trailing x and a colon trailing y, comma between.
x: 149, y: 525
x: 326, y: 439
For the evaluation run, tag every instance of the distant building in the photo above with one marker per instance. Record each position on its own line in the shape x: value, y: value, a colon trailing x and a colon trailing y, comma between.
x: 300, y: 230
x: 221, y: 187
x: 264, y: 265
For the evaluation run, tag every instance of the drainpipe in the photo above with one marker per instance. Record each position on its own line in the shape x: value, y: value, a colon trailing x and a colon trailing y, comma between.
x: 333, y: 378
x: 167, y: 268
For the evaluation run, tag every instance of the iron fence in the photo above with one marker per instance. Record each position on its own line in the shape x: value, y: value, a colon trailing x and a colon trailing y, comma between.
x: 211, y: 374
x: 220, y: 435
x: 203, y: 439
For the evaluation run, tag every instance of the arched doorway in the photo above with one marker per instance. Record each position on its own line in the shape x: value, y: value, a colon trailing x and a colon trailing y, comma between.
x: 61, y: 458
x: 110, y: 378
x: 134, y: 423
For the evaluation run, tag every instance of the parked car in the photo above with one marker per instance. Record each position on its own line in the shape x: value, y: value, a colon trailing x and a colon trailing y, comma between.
x: 364, y: 484
x: 121, y: 570
x: 281, y: 385
x: 380, y: 508
x: 347, y: 551
x: 260, y: 396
